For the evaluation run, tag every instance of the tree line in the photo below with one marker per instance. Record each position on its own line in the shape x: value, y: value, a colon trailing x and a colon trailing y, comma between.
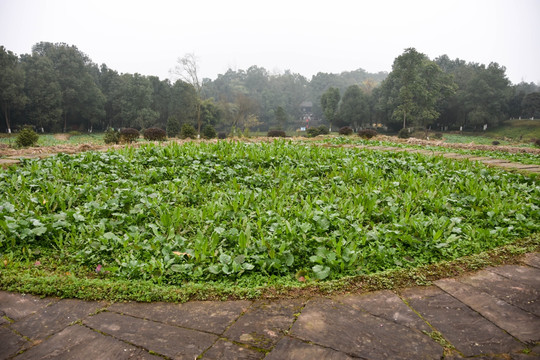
x: 58, y: 88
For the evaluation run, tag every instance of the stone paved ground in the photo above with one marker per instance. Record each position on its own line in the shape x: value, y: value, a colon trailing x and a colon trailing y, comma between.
x: 490, y: 314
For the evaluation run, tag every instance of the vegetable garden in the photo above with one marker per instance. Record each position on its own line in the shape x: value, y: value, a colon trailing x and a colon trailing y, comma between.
x: 245, y: 212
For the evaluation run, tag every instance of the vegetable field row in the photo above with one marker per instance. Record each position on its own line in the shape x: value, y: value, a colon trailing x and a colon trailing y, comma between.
x: 209, y: 211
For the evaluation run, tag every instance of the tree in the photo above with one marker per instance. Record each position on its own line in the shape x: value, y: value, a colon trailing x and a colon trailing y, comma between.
x: 414, y: 87
x: 530, y: 105
x: 133, y: 102
x: 210, y: 113
x: 183, y: 102
x: 44, y: 95
x: 244, y: 113
x: 483, y: 95
x: 329, y: 105
x: 187, y: 69
x: 161, y: 96
x: 354, y: 108
x: 81, y: 97
x: 281, y: 117
x: 487, y: 95
x: 12, y: 95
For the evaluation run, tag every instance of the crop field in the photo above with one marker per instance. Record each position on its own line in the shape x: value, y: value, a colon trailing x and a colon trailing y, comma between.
x: 524, y: 156
x: 231, y: 210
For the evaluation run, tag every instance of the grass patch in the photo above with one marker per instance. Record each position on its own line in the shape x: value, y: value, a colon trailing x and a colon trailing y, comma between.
x: 517, y: 130
x: 475, y: 139
x: 236, y: 218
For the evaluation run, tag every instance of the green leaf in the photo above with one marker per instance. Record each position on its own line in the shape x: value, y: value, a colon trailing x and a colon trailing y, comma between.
x: 214, y: 269
x: 39, y: 230
x: 224, y: 259
x: 321, y: 272
x: 177, y: 268
x: 288, y: 258
x: 219, y: 230
x: 240, y: 259
x: 109, y: 236
x: 79, y: 217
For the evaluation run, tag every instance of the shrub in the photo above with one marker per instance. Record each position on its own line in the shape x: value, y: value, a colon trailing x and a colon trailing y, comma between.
x: 312, y: 132
x: 403, y: 133
x: 209, y: 132
x: 323, y: 130
x: 276, y: 133
x: 74, y: 133
x: 367, y: 133
x: 188, y: 131
x: 536, y: 142
x: 155, y: 134
x: 129, y: 135
x: 319, y: 130
x: 495, y: 142
x: 111, y: 136
x: 173, y: 126
x: 27, y: 137
x: 437, y: 135
x: 346, y: 130
x: 222, y: 135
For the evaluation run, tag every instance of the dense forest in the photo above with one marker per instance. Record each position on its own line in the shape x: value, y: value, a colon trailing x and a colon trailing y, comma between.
x: 58, y: 88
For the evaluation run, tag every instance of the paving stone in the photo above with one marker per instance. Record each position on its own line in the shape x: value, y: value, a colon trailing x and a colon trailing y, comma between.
x: 224, y: 350
x: 387, y: 305
x: 526, y: 275
x: 167, y: 340
x: 209, y: 316
x: 10, y: 343
x: 293, y: 349
x: 518, y: 323
x: 55, y: 317
x: 78, y: 342
x: 532, y: 259
x: 515, y: 293
x: 3, y: 319
x: 17, y: 306
x: 265, y: 322
x: 467, y: 330
x: 340, y: 327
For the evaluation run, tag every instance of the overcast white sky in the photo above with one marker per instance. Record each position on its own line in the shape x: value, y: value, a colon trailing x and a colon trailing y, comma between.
x: 304, y: 36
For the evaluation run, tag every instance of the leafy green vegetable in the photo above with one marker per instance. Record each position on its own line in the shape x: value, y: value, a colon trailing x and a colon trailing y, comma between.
x: 201, y: 212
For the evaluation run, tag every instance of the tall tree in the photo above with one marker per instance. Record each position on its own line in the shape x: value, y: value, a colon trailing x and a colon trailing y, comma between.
x: 281, y: 117
x: 531, y: 105
x: 134, y: 102
x: 184, y: 102
x: 329, y: 105
x: 188, y: 70
x: 414, y: 87
x: 81, y: 97
x: 12, y: 95
x: 354, y: 108
x: 488, y: 94
x: 44, y: 108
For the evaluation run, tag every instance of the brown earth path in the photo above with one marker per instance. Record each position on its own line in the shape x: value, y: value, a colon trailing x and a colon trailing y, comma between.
x: 490, y: 314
